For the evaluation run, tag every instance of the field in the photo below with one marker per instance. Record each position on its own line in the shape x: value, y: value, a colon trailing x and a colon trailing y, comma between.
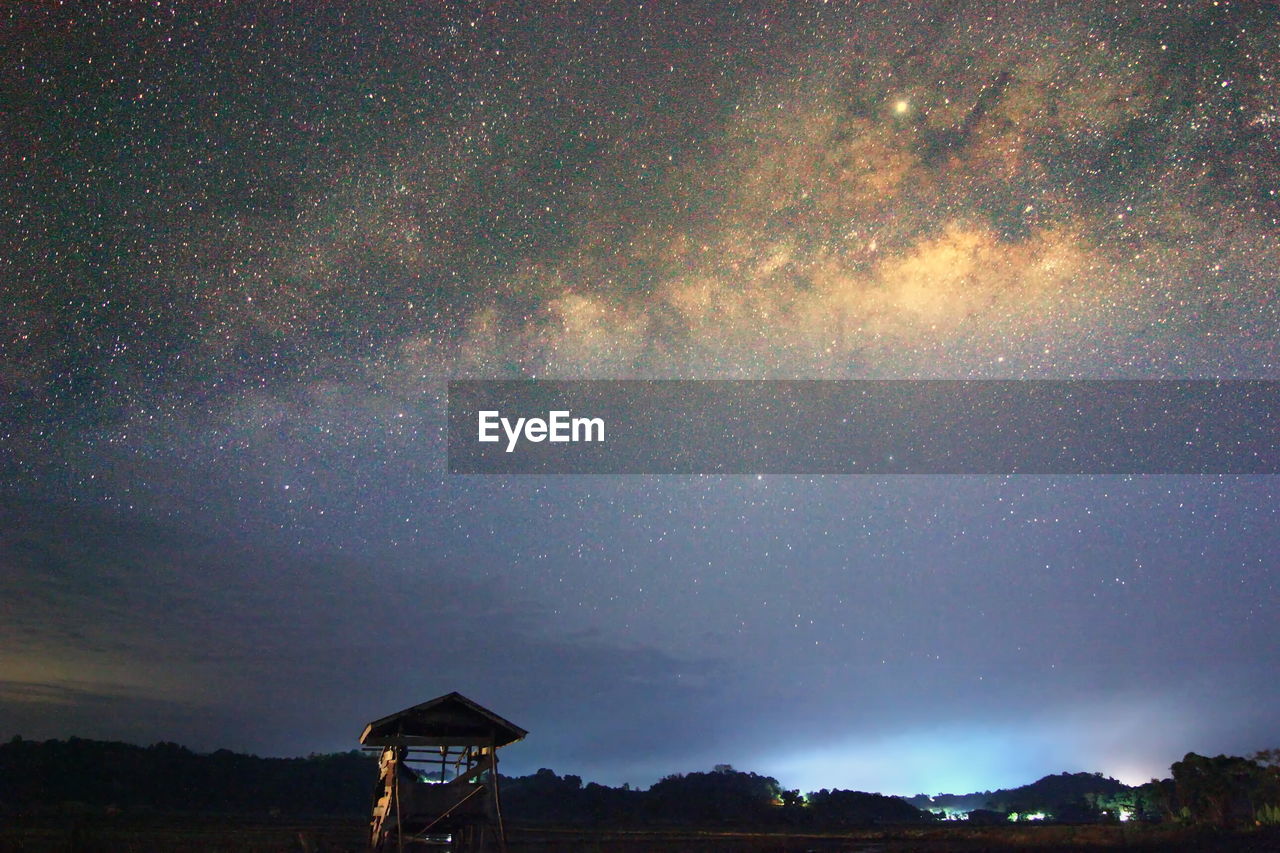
x: 944, y: 839
x: 198, y: 833
x: 131, y: 834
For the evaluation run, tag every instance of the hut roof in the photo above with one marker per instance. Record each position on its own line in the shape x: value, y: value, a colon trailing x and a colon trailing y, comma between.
x: 449, y: 720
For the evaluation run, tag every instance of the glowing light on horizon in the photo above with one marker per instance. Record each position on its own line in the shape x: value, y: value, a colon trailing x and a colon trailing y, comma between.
x: 960, y: 759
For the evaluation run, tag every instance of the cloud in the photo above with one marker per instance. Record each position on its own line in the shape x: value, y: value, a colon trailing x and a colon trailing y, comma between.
x: 149, y: 630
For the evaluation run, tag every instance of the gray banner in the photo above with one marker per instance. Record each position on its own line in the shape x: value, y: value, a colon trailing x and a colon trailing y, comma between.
x: 864, y: 427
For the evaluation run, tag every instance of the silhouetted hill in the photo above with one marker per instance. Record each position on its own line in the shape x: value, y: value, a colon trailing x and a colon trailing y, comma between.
x: 55, y: 776
x: 1066, y: 796
x: 165, y: 777
x: 838, y: 809
x: 1060, y: 793
x: 37, y: 775
x: 545, y: 798
x: 722, y: 797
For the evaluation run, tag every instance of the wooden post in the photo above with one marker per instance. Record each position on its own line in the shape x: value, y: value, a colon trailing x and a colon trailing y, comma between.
x: 395, y: 792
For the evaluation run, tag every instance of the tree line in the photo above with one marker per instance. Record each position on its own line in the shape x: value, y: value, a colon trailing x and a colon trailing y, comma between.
x: 1223, y: 791
x: 166, y: 777
x: 722, y: 797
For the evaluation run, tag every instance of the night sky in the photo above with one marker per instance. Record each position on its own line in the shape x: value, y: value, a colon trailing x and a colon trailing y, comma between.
x: 244, y: 246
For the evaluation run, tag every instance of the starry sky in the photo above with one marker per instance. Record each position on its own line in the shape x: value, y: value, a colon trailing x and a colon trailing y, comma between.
x: 244, y: 247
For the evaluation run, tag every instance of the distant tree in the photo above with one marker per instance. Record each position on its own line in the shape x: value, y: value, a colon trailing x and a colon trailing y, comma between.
x: 169, y: 777
x: 1268, y: 814
x: 1224, y: 790
x: 1269, y: 758
x: 857, y: 808
x: 723, y: 796
x: 1069, y: 797
x: 988, y: 817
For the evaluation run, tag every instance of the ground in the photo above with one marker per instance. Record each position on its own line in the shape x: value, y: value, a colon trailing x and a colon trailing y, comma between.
x: 98, y: 834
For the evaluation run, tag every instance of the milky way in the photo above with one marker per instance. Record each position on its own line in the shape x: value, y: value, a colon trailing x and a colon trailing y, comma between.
x: 244, y: 249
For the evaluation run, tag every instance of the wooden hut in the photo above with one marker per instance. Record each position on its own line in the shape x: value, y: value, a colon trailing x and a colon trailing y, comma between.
x: 438, y: 776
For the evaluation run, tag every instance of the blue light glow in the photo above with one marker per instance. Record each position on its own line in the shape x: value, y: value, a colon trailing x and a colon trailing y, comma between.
x: 962, y: 758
